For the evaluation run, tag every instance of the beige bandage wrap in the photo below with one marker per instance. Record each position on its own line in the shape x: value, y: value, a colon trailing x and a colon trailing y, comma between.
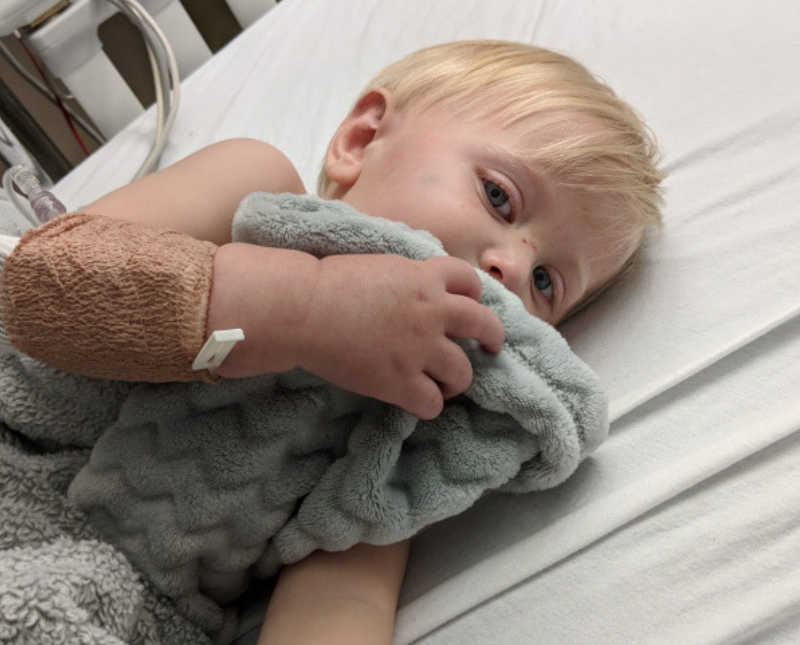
x: 109, y: 299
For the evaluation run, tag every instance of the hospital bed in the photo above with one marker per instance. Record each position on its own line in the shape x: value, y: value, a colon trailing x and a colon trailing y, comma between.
x: 684, y: 527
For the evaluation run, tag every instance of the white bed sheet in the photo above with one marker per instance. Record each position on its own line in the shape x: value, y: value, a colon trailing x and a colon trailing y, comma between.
x: 685, y: 526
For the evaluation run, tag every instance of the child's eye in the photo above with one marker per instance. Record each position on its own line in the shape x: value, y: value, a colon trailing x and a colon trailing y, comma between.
x: 498, y: 198
x: 543, y: 282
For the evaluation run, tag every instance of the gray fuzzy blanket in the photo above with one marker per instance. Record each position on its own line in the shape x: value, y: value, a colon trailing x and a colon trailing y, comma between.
x: 202, y: 487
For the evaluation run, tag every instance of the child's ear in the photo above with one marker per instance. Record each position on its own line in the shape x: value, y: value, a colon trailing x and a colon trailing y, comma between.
x: 345, y: 155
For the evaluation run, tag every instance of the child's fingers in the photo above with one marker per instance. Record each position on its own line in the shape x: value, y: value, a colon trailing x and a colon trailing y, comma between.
x: 459, y: 276
x: 424, y: 398
x: 469, y: 319
x: 451, y: 370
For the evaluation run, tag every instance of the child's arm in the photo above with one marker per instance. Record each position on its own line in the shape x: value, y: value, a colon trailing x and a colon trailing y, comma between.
x: 379, y: 325
x: 346, y: 598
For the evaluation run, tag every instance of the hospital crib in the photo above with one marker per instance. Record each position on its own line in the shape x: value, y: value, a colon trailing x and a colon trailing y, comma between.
x: 65, y: 37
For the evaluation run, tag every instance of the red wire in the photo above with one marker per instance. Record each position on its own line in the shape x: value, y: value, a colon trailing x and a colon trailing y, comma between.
x: 60, y: 104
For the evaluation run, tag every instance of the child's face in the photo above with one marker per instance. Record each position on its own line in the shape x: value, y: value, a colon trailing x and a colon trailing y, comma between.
x: 459, y: 180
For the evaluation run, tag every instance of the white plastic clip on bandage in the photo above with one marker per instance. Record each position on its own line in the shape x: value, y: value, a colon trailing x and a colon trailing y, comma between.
x: 216, y: 349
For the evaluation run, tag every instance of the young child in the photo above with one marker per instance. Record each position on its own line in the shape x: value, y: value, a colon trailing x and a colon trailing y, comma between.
x: 515, y: 157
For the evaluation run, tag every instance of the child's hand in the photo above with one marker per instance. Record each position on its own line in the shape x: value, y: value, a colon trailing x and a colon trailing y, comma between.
x: 383, y: 326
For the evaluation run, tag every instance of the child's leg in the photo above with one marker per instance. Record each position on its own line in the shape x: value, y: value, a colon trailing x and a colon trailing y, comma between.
x: 331, y: 598
x: 199, y: 194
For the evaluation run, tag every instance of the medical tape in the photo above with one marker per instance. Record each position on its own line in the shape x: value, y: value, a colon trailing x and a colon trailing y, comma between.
x: 110, y: 299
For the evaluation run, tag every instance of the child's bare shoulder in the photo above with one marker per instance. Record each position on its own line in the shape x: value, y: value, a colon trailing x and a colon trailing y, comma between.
x: 270, y: 167
x: 199, y: 194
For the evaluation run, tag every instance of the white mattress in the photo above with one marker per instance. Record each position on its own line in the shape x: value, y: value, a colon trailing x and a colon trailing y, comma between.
x: 685, y: 526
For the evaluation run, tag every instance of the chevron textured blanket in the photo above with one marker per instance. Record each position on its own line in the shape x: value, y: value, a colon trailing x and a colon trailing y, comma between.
x: 203, y: 486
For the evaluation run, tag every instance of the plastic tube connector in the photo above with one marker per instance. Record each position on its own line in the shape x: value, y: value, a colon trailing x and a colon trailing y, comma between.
x: 25, y: 180
x: 45, y: 204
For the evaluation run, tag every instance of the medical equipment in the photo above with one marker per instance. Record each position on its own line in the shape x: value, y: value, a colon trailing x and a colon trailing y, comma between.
x: 73, y: 53
x: 42, y: 205
x: 24, y: 141
x: 63, y: 34
x: 66, y: 57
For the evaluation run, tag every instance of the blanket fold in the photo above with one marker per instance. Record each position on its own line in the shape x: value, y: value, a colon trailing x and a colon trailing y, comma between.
x: 204, y: 486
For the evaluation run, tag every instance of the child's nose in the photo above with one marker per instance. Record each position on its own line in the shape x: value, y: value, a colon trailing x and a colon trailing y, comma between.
x: 512, y: 267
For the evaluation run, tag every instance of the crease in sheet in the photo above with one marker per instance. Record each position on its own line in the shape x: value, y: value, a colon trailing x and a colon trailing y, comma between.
x: 738, y: 198
x: 776, y: 125
x: 778, y: 603
x: 573, y: 532
x: 623, y: 405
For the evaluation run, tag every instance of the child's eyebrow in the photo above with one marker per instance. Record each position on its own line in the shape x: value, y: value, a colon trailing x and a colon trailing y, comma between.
x: 518, y: 166
x: 539, y: 182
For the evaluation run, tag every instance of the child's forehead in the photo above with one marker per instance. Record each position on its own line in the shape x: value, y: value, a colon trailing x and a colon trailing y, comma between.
x: 529, y: 119
x: 529, y: 138
x: 538, y: 140
x: 554, y: 128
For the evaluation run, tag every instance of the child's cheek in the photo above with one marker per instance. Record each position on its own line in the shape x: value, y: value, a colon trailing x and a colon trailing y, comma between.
x: 429, y: 179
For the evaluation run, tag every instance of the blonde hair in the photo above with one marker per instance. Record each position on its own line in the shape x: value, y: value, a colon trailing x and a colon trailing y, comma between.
x: 513, y: 82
